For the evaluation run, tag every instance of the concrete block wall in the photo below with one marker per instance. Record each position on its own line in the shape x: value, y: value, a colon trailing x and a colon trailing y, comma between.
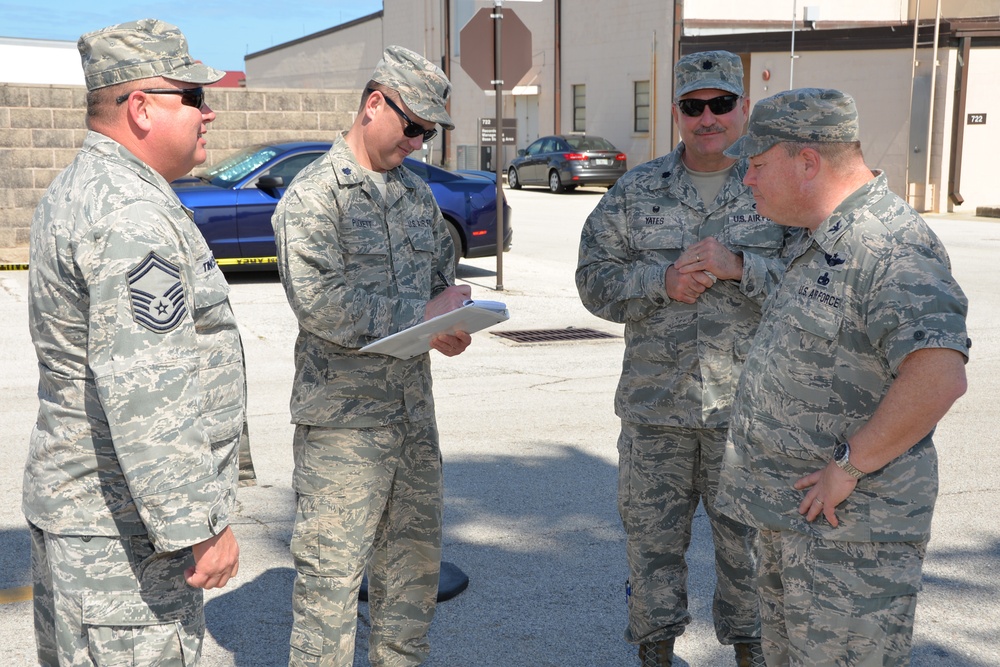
x: 42, y: 128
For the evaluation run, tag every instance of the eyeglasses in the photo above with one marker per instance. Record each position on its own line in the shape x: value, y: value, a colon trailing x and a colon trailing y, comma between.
x: 412, y: 130
x: 719, y: 106
x: 192, y: 97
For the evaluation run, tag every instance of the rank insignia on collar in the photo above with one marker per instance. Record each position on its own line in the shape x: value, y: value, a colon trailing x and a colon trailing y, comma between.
x: 156, y: 294
x: 347, y: 171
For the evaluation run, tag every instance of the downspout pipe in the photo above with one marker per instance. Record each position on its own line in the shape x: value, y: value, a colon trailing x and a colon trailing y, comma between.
x: 557, y: 73
x: 929, y: 203
x: 446, y: 67
x: 958, y: 124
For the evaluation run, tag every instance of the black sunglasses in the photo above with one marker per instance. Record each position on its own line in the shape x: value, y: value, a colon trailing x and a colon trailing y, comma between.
x: 412, y: 130
x: 719, y: 106
x: 192, y: 97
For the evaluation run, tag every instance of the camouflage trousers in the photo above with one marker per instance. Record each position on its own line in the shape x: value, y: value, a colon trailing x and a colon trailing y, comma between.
x: 831, y: 604
x: 663, y: 472
x: 365, y: 496
x: 113, y: 601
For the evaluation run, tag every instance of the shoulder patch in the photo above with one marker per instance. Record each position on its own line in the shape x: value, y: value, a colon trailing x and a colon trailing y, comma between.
x: 156, y: 294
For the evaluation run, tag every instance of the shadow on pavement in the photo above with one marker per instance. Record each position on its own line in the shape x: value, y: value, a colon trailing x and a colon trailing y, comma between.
x: 539, y: 537
x: 251, y: 277
x: 467, y: 271
x: 249, y: 624
x: 959, y: 574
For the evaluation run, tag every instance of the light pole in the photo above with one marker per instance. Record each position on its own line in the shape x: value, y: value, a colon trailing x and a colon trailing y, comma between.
x: 791, y: 65
x: 497, y: 17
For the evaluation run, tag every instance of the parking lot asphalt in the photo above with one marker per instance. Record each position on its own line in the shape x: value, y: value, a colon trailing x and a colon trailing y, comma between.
x: 528, y: 437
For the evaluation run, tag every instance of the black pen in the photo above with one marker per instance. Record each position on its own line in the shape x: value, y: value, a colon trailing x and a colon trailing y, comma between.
x: 444, y: 279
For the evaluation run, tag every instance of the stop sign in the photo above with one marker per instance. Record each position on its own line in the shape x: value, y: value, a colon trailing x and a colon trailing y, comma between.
x: 476, y: 41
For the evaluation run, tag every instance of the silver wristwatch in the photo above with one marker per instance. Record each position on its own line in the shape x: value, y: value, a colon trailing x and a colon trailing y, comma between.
x: 842, y: 457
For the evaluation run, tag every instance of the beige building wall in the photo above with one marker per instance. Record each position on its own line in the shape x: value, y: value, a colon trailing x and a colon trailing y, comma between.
x: 634, y: 43
x: 831, y: 11
x: 340, y: 59
x: 39, y: 61
x: 960, y: 9
x: 884, y: 136
x: 894, y: 131
x: 980, y: 185
x: 532, y: 104
x: 781, y: 10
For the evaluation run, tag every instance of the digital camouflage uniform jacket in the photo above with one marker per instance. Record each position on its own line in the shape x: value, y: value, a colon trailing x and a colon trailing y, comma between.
x: 141, y: 387
x: 682, y: 361
x: 870, y: 286
x: 356, y: 269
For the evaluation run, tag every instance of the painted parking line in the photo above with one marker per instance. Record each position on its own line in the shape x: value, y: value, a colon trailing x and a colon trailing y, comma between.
x: 9, y: 595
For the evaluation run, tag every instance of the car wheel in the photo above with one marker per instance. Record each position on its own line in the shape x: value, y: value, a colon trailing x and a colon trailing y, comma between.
x: 512, y: 179
x: 456, y: 238
x: 555, y: 183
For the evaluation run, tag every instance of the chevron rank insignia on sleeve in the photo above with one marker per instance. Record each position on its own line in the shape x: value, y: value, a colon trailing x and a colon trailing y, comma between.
x: 156, y: 294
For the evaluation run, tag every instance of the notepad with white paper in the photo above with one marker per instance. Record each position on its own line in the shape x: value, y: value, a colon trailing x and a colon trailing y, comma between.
x: 472, y: 316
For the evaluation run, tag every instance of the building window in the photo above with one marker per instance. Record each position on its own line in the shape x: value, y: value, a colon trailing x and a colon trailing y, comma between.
x: 642, y: 106
x: 579, y: 107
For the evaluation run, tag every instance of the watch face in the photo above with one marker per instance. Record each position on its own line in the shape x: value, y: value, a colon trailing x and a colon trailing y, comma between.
x: 840, y: 452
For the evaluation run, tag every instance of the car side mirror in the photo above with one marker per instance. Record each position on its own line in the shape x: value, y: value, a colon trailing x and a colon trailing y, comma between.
x: 270, y: 185
x: 521, y: 152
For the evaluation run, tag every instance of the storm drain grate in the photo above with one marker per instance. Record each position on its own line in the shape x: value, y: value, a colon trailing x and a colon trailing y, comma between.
x: 551, y: 335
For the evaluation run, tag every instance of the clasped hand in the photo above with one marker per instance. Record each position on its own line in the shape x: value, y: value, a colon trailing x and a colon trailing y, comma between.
x: 699, y: 267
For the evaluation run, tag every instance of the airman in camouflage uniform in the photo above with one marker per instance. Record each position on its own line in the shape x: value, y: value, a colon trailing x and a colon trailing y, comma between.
x: 860, y: 352
x: 364, y: 252
x: 678, y: 252
x: 132, y: 469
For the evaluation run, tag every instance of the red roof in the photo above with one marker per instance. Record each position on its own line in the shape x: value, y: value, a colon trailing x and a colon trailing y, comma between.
x: 232, y: 79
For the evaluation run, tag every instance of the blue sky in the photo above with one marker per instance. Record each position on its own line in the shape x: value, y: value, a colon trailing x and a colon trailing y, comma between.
x: 218, y: 33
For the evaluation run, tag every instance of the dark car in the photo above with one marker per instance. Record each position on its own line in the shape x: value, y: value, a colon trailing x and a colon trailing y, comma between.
x: 233, y: 202
x: 565, y: 161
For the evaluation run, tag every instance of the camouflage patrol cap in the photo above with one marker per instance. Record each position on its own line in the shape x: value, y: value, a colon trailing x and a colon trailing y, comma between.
x: 708, y: 69
x: 420, y: 83
x: 140, y: 50
x: 809, y: 115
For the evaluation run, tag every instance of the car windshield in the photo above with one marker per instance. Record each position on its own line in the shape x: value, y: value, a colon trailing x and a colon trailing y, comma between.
x: 236, y: 167
x: 590, y: 144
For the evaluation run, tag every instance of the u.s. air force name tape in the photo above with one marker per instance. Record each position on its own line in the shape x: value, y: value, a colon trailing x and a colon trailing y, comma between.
x: 13, y: 267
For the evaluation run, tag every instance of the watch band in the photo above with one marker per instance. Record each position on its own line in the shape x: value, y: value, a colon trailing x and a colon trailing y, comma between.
x: 842, y: 457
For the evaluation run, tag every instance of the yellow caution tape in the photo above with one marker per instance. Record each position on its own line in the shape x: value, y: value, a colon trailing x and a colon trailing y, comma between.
x: 10, y: 595
x: 233, y: 261
x: 246, y: 261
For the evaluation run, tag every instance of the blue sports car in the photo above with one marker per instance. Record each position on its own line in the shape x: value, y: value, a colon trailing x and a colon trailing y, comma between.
x: 233, y: 202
